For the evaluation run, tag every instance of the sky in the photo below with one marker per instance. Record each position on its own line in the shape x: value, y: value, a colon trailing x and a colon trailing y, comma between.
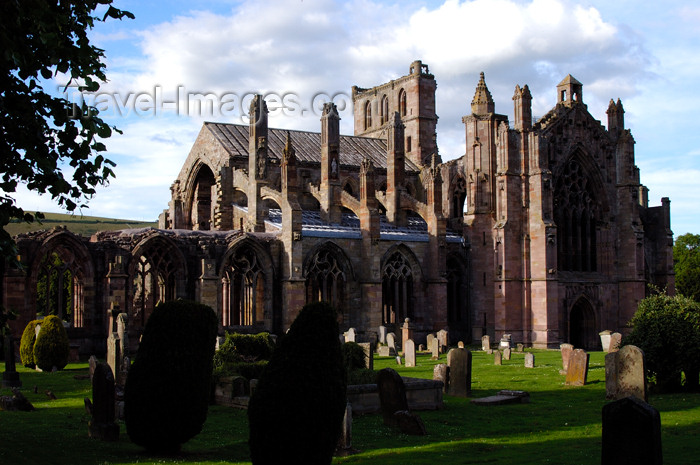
x: 176, y: 54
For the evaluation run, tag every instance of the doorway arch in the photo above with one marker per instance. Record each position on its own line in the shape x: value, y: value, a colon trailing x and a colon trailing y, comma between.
x: 582, y: 333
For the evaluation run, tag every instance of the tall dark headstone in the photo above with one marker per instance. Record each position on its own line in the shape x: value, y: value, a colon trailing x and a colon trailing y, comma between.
x: 10, y: 378
x: 102, y: 425
x: 631, y: 433
x: 392, y: 395
x: 460, y: 363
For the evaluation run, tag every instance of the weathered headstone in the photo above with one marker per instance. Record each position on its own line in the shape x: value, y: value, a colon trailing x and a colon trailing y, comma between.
x: 625, y: 374
x: 529, y: 360
x: 421, y: 348
x: 350, y: 335
x: 577, y: 372
x: 505, y: 342
x: 631, y: 433
x: 443, y: 340
x: 441, y: 372
x: 409, y: 352
x: 497, y: 357
x: 102, y: 425
x: 392, y: 394
x: 434, y: 347
x: 114, y: 357
x: 383, y: 351
x: 460, y: 345
x: 10, y: 377
x: 566, y: 350
x: 391, y: 342
x: 410, y: 423
x: 429, y: 340
x: 506, y: 353
x: 345, y: 440
x: 520, y: 347
x: 406, y: 332
x: 485, y: 343
x: 369, y: 359
x: 459, y: 361
x: 605, y: 339
x: 615, y: 340
x: 92, y: 364
x: 382, y: 334
x: 123, y: 333
x: 398, y: 360
x: 16, y: 402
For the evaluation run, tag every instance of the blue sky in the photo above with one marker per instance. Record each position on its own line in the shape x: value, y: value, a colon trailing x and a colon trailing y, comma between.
x: 302, y: 52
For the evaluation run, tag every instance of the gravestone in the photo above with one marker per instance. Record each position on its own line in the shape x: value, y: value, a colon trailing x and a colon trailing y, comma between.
x: 382, y: 334
x: 485, y: 343
x: 350, y: 335
x: 114, y: 357
x: 505, y: 342
x: 605, y: 339
x: 392, y: 395
x: 92, y: 364
x: 383, y: 351
x: 497, y: 357
x: 429, y: 340
x: 577, y: 372
x: 434, y: 347
x: 410, y: 423
x: 460, y: 382
x: 520, y: 347
x: 506, y: 354
x: 10, y: 377
x: 123, y: 334
x: 443, y: 340
x: 406, y: 333
x: 529, y: 360
x: 460, y: 345
x: 102, y: 425
x: 409, y: 353
x: 625, y: 374
x: 391, y: 342
x: 566, y: 350
x: 615, y: 339
x: 421, y: 348
x: 345, y: 440
x: 631, y: 433
x: 441, y: 372
x: 369, y: 359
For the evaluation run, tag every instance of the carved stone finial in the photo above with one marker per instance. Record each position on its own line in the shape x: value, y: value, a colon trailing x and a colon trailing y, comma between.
x: 366, y: 167
x: 289, y: 154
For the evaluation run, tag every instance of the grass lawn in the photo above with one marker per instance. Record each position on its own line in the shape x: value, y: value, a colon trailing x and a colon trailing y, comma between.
x: 561, y: 424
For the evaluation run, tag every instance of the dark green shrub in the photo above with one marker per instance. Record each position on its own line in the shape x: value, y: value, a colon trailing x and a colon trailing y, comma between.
x: 249, y: 370
x: 353, y: 356
x: 167, y: 389
x: 26, y: 345
x: 667, y: 329
x: 295, y: 413
x: 52, y: 347
x: 244, y: 347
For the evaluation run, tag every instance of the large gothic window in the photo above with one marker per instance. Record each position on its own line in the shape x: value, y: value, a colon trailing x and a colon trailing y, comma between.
x: 325, y: 278
x: 59, y: 289
x: 397, y: 289
x: 154, y: 280
x: 243, y: 289
x: 575, y: 213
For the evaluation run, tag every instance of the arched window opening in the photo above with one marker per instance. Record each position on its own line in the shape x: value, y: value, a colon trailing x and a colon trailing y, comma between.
x: 58, y: 289
x: 348, y: 188
x: 325, y: 279
x: 402, y: 103
x: 368, y: 115
x: 397, y: 290
x: 459, y: 196
x: 243, y: 290
x: 384, y: 108
x: 153, y: 281
x: 576, y: 214
x: 203, y: 200
x: 457, y: 293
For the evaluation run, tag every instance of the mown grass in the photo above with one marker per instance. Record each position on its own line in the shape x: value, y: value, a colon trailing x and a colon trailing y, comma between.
x: 78, y: 224
x: 561, y: 424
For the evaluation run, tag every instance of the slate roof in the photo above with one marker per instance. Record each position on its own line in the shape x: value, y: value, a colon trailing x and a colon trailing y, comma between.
x: 307, y: 145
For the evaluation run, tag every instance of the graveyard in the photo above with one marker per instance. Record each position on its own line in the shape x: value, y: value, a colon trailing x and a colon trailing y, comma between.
x: 561, y: 424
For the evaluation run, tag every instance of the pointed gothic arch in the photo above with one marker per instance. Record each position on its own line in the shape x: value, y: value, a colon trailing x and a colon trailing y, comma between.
x: 328, y: 271
x: 582, y: 325
x: 400, y: 273
x: 201, y: 198
x: 458, y: 197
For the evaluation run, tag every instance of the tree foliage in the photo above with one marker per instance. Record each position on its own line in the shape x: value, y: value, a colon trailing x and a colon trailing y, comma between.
x: 686, y: 264
x: 42, y: 135
x: 667, y: 329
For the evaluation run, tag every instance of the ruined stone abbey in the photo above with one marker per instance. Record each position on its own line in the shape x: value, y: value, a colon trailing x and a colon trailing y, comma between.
x: 540, y: 229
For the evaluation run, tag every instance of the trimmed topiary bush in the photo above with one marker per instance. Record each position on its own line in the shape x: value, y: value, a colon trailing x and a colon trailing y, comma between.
x: 26, y: 345
x: 296, y: 411
x: 167, y: 390
x: 667, y: 329
x: 52, y: 347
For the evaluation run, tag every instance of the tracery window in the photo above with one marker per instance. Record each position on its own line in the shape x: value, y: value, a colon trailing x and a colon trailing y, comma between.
x: 459, y: 196
x: 576, y: 214
x: 325, y: 278
x: 368, y: 115
x: 153, y: 281
x: 243, y: 289
x: 397, y: 289
x: 402, y: 103
x: 384, y: 110
x: 59, y: 290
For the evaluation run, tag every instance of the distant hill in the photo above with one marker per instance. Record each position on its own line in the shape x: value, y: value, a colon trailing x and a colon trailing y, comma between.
x: 84, y: 225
